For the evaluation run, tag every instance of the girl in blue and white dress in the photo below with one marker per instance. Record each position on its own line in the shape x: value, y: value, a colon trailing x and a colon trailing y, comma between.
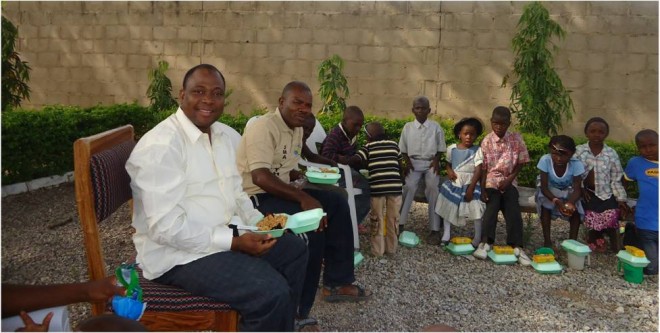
x: 459, y: 198
x: 559, y: 181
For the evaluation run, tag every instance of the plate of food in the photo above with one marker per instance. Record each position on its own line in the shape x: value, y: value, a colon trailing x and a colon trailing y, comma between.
x: 272, y: 224
x: 323, y: 175
x: 275, y: 224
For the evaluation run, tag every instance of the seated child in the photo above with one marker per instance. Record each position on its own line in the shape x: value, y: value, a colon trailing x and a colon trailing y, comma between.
x: 558, y: 194
x: 459, y: 198
x: 603, y: 194
x: 644, y: 170
x: 383, y: 159
x: 504, y: 154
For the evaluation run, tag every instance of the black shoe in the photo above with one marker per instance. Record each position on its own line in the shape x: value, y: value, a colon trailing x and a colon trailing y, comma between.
x: 433, y: 238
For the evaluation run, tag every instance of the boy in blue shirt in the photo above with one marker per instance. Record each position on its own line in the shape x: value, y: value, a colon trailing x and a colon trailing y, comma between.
x: 644, y: 170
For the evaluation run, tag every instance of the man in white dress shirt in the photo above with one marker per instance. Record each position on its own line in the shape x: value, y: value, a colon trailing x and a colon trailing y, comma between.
x: 186, y: 190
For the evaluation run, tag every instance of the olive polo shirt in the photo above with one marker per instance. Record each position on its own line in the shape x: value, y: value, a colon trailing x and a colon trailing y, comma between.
x: 268, y: 143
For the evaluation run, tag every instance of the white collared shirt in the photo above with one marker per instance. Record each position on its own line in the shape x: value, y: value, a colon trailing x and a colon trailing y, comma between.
x: 422, y: 141
x: 351, y: 141
x: 185, y: 191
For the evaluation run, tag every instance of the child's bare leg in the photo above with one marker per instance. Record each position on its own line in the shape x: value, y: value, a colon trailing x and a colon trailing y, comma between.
x: 613, y: 233
x: 477, y: 233
x: 545, y: 224
x: 575, y: 226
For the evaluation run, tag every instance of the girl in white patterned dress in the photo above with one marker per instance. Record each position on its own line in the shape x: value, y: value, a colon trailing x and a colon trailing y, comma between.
x: 459, y: 198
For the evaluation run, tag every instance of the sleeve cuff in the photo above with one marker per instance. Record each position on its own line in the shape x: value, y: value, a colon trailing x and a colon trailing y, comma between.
x: 221, y: 239
x: 258, y: 165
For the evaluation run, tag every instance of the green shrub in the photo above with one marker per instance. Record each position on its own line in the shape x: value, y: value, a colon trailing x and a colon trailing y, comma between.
x: 39, y: 143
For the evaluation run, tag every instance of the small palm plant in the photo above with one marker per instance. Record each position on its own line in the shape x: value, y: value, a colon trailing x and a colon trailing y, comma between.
x: 334, y: 87
x: 15, y: 72
x: 160, y: 89
x: 538, y: 97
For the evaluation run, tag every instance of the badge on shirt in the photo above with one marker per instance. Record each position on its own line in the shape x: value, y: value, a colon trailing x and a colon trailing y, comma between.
x: 652, y: 172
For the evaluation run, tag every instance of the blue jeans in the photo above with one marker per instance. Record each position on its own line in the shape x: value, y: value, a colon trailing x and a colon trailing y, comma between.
x: 649, y: 242
x: 333, y: 247
x: 265, y: 290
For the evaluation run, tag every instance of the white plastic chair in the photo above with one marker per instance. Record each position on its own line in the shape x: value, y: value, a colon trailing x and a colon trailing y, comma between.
x: 352, y: 192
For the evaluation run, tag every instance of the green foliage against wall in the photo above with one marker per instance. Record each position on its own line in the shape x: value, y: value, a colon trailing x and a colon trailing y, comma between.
x: 160, y: 89
x: 538, y: 98
x: 334, y: 86
x: 15, y: 72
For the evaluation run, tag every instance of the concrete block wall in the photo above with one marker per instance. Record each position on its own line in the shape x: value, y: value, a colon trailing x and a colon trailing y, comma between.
x: 456, y: 53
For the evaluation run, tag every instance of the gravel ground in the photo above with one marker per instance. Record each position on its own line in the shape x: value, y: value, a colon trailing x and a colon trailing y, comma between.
x: 42, y: 243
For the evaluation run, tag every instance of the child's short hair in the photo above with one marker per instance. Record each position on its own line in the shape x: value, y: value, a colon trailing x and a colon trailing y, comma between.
x: 474, y: 122
x: 562, y: 142
x: 502, y: 112
x: 646, y: 132
x: 596, y: 120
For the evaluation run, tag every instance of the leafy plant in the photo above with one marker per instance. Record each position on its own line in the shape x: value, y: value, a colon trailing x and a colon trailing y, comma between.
x: 334, y: 87
x: 15, y: 72
x: 160, y: 89
x: 538, y: 97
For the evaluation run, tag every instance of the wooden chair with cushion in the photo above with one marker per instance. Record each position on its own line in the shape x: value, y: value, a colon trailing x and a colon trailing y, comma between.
x: 102, y: 186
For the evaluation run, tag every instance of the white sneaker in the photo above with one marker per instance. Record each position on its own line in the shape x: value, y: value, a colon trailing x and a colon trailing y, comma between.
x: 482, y: 251
x: 523, y: 259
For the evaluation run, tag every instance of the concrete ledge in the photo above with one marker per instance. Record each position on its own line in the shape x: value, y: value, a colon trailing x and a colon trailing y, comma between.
x: 37, y: 184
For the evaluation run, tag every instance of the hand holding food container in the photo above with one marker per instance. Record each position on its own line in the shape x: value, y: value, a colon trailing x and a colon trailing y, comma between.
x: 275, y: 224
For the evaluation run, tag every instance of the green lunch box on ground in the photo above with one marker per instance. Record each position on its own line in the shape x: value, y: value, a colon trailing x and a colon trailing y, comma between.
x: 357, y: 258
x: 576, y: 253
x: 633, y: 267
x: 552, y: 267
x: 547, y: 267
x: 408, y: 239
x: 502, y: 259
x: 460, y: 249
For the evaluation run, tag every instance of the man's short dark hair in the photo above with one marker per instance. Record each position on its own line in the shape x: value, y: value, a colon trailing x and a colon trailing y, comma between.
x: 353, y: 111
x: 646, y: 133
x: 502, y: 112
x: 201, y: 66
x: 596, y: 120
x: 295, y: 85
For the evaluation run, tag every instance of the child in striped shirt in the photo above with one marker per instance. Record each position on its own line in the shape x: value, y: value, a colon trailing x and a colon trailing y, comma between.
x: 383, y: 161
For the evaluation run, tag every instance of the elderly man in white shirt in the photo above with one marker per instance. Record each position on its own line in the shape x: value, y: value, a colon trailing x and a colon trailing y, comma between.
x: 421, y: 143
x: 186, y: 191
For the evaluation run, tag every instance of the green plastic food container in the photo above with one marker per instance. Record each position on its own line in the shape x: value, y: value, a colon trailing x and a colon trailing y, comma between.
x: 502, y: 259
x: 357, y: 258
x: 316, y: 176
x: 631, y: 260
x: 305, y: 221
x: 577, y: 253
x: 547, y: 267
x: 408, y: 239
x: 298, y: 223
x: 460, y: 249
x: 631, y: 273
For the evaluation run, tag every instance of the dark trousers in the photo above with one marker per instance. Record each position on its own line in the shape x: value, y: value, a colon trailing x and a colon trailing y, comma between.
x: 333, y: 247
x: 507, y: 202
x: 264, y: 290
x: 648, y: 239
